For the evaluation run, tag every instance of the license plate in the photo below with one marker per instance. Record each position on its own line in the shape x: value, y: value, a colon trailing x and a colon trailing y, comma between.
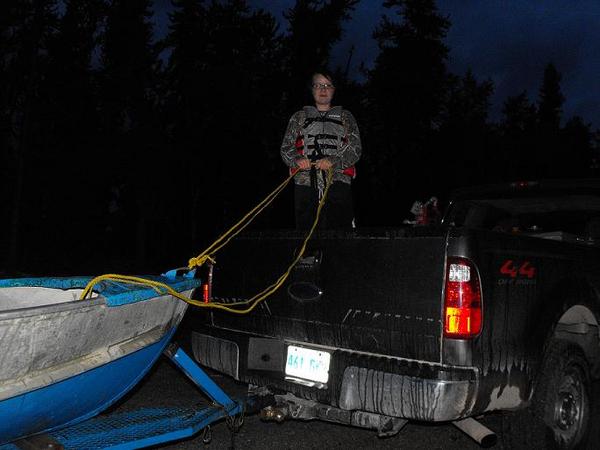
x: 307, y: 364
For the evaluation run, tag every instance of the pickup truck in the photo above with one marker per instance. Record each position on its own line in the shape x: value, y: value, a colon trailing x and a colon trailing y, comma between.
x: 493, y: 309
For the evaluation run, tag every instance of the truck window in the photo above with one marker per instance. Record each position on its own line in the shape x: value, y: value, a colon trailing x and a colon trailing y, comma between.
x: 577, y: 215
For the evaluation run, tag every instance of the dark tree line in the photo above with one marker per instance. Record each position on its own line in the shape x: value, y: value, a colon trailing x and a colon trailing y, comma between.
x: 123, y: 152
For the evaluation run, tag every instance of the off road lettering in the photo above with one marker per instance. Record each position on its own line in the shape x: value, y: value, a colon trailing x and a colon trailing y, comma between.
x: 514, y: 270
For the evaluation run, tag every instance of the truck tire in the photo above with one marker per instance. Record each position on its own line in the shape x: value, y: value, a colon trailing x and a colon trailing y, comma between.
x: 562, y: 398
x: 559, y: 415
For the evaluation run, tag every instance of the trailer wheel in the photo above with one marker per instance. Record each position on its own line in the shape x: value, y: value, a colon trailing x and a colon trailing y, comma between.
x: 562, y: 400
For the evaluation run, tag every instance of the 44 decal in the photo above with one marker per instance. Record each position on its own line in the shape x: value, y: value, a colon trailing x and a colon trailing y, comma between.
x: 518, y: 269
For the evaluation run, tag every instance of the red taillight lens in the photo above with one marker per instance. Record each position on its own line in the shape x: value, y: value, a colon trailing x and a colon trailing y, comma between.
x: 205, y: 293
x: 462, y: 303
x: 207, y: 277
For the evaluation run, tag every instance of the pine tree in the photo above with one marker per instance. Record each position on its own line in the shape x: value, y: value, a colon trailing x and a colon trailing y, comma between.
x: 551, y: 100
x: 410, y: 74
x: 132, y: 135
x: 517, y: 158
x: 314, y: 27
x: 27, y: 28
x: 406, y: 93
x: 187, y: 45
x: 519, y: 115
x: 128, y: 62
x: 577, y: 138
x: 68, y: 84
x: 69, y: 110
x: 549, y: 150
x: 224, y: 59
x: 467, y: 104
x: 464, y: 135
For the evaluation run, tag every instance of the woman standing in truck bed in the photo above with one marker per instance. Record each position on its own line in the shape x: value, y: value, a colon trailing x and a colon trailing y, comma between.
x: 319, y: 138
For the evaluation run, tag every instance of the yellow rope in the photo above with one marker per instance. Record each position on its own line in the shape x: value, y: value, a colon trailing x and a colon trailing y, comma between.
x: 207, y: 255
x: 238, y: 227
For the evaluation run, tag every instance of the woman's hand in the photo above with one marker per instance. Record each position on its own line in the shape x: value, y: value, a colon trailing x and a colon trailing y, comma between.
x: 323, y: 164
x: 303, y: 163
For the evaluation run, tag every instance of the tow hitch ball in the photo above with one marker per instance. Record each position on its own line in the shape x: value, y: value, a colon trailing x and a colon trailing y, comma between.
x: 274, y: 413
x: 471, y: 427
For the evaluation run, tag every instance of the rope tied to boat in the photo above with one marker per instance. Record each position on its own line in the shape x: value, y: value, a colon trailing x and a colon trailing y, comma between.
x: 198, y: 261
x: 208, y: 255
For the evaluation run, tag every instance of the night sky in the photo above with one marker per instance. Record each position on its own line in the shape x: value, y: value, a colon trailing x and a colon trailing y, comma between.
x: 508, y: 41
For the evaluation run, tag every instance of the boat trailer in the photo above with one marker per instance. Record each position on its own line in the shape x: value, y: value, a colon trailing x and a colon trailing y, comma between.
x: 147, y: 426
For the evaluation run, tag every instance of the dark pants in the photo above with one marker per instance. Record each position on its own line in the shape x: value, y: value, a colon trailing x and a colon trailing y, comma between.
x: 337, y: 212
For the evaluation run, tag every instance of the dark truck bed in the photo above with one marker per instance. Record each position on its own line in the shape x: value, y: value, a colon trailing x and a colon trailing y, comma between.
x: 376, y: 303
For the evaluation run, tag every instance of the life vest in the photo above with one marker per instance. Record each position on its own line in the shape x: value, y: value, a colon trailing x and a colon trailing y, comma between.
x: 323, y: 134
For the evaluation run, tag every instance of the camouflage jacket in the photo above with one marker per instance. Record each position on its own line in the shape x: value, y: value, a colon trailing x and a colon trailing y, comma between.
x: 333, y: 134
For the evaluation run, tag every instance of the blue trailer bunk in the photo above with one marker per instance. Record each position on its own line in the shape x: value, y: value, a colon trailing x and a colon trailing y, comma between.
x: 148, y: 426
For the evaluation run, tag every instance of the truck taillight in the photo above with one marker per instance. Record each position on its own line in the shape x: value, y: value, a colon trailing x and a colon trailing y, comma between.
x: 462, y: 302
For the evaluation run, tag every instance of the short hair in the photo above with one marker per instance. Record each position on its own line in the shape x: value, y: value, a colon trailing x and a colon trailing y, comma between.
x: 322, y: 73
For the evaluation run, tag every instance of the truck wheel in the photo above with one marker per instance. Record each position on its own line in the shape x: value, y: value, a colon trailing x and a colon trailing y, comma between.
x: 561, y: 400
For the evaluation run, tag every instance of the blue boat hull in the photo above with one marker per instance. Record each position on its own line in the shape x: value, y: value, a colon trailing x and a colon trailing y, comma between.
x: 77, y: 398
x: 64, y: 360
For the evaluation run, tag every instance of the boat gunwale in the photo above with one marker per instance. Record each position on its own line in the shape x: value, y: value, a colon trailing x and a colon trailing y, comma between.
x: 52, y: 308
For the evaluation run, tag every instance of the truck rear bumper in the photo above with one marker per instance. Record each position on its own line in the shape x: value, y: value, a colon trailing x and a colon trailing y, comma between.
x: 409, y: 397
x: 373, y: 383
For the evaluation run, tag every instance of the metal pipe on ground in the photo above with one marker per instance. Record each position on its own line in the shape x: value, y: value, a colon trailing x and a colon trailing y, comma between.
x: 476, y: 431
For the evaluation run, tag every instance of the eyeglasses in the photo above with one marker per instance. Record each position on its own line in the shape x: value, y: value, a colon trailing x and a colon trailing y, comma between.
x: 323, y: 86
